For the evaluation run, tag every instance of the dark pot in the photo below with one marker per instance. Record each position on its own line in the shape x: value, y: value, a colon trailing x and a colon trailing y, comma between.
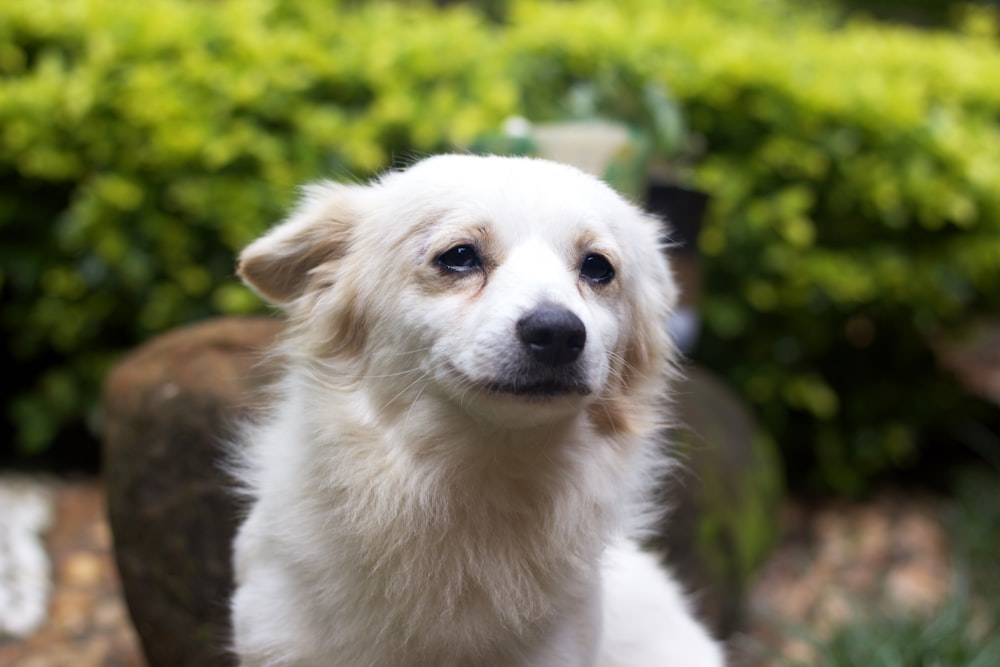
x: 684, y: 210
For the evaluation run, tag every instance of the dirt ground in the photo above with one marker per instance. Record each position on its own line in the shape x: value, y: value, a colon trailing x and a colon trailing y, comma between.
x: 837, y: 561
x: 888, y: 555
x: 87, y: 623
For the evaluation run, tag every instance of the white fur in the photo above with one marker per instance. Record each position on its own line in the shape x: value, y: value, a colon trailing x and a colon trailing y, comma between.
x: 409, y: 508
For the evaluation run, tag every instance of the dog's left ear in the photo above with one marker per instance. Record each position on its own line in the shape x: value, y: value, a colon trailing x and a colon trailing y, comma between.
x: 632, y: 402
x: 654, y: 294
x: 279, y: 265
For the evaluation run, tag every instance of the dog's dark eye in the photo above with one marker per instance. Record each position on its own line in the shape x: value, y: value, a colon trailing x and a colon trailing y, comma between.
x: 460, y: 258
x: 597, y: 269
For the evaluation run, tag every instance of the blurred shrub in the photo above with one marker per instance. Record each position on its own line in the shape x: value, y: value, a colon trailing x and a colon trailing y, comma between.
x: 857, y: 216
x: 853, y: 170
x: 926, y: 13
x: 142, y: 144
x: 856, y: 209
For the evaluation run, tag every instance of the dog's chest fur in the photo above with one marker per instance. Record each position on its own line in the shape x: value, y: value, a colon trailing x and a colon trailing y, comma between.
x: 455, y: 547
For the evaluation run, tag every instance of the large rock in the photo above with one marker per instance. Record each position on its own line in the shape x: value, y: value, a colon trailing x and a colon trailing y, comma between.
x: 171, y: 405
x: 724, y: 497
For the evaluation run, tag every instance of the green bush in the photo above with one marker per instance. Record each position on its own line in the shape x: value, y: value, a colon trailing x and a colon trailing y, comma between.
x: 857, y: 216
x: 142, y: 144
x: 856, y: 210
x: 951, y: 637
x: 854, y: 175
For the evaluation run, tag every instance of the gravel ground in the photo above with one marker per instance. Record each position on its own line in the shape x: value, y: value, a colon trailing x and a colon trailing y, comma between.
x: 836, y: 563
x: 835, y: 560
x: 87, y: 624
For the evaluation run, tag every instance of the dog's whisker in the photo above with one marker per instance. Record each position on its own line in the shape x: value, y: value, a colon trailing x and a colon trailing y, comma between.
x: 469, y: 387
x: 406, y: 420
x: 623, y: 364
x: 403, y: 353
x: 611, y: 419
x: 407, y: 388
x: 373, y: 376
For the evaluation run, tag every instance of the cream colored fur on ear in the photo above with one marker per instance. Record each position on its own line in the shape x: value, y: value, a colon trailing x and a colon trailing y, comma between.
x: 278, y: 266
x: 430, y: 489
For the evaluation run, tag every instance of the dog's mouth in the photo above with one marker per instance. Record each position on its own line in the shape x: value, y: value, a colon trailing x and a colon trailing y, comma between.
x: 540, y: 389
x: 525, y: 385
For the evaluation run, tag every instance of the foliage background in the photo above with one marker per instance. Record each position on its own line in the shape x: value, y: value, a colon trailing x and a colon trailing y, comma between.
x: 853, y: 169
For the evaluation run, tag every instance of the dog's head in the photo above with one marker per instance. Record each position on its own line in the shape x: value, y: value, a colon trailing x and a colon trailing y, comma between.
x: 519, y: 289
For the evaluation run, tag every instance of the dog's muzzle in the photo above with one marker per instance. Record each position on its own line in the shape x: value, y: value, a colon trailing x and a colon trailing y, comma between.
x: 553, y: 336
x: 552, y: 339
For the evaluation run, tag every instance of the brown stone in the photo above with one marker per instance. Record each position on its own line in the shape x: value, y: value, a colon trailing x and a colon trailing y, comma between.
x: 724, y: 498
x: 169, y: 407
x: 82, y: 569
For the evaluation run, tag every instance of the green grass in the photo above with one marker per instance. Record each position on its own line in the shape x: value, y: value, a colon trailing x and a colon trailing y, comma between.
x: 958, y: 634
x: 965, y: 630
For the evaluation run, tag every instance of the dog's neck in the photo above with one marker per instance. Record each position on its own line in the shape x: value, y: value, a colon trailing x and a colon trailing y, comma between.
x: 460, y: 458
x: 522, y: 506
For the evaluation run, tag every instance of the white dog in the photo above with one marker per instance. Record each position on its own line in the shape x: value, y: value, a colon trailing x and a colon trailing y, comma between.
x: 476, y: 361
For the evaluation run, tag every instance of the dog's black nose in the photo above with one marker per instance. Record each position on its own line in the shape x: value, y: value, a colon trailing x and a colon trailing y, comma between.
x: 553, y: 335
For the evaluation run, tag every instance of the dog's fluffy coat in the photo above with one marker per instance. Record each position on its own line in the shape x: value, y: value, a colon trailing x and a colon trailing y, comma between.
x: 476, y: 360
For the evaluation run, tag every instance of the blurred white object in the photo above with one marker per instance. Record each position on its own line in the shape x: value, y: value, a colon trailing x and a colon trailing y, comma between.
x: 684, y: 325
x: 518, y: 127
x: 587, y: 145
x: 25, y: 574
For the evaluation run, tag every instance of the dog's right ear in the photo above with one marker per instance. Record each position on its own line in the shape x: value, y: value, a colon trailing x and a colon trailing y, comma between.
x: 278, y: 265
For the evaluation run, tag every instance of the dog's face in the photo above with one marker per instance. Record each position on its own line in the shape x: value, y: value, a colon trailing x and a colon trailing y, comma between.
x: 520, y: 290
